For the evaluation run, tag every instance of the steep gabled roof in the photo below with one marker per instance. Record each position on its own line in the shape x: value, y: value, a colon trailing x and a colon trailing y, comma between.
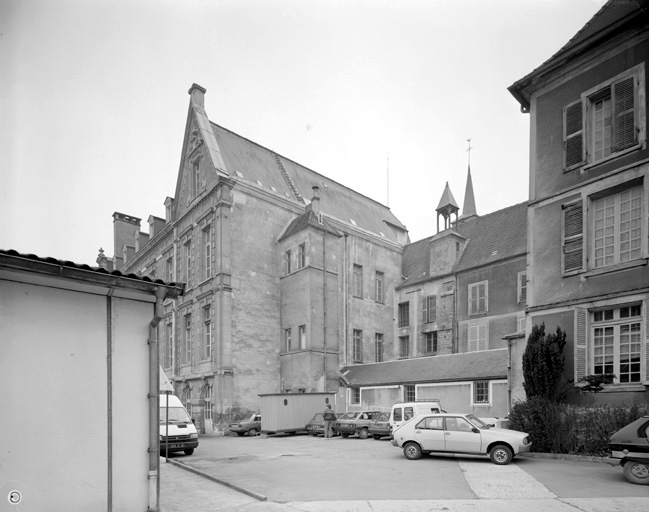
x: 252, y: 162
x: 308, y: 219
x: 488, y: 364
x: 494, y: 237
x: 611, y: 19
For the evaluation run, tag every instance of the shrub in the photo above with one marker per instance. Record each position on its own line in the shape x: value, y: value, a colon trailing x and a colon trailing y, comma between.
x: 543, y: 363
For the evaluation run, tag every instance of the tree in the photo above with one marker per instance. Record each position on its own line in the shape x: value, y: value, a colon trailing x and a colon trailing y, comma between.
x: 543, y: 364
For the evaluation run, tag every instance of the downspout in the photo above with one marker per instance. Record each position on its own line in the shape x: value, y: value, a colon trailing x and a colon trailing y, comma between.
x: 154, y: 405
x: 324, y: 304
x: 345, y: 299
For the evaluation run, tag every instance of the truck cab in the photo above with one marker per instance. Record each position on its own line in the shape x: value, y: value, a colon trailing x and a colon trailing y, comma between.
x: 177, y: 429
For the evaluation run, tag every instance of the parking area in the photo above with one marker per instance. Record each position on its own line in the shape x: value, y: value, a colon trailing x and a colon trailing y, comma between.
x: 287, y: 468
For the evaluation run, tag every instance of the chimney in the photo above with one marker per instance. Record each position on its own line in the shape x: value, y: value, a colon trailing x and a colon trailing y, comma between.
x: 315, y: 200
x: 124, y: 229
x: 197, y: 94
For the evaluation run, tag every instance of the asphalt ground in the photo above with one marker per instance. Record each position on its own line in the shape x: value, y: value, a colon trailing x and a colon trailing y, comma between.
x: 312, y: 474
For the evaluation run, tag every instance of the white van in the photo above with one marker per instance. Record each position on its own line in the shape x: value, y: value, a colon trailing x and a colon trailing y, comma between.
x: 404, y: 411
x: 179, y: 434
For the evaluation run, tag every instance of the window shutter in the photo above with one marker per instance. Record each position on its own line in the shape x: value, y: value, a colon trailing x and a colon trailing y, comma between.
x: 573, y: 239
x: 485, y: 297
x: 581, y: 344
x: 624, y: 128
x: 424, y: 304
x: 646, y: 344
x: 573, y: 134
x: 473, y: 338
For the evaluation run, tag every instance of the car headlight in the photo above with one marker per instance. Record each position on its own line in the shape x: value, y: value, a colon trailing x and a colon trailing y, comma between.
x: 526, y: 440
x: 193, y: 436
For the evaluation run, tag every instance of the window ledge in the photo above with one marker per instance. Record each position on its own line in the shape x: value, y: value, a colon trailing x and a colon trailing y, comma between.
x: 622, y: 388
x: 615, y: 268
x: 612, y: 156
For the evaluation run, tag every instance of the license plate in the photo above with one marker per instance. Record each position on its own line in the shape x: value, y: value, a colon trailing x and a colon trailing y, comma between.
x: 173, y: 446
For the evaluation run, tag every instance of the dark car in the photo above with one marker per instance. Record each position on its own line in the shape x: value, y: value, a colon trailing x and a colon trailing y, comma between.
x: 352, y: 423
x: 315, y: 427
x: 250, y: 426
x: 380, y: 426
x: 629, y: 448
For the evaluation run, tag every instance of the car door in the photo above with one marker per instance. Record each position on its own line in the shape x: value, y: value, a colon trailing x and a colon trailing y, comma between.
x: 460, y: 436
x: 429, y: 433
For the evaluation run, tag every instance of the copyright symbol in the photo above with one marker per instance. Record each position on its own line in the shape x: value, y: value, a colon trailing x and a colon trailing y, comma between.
x: 14, y: 497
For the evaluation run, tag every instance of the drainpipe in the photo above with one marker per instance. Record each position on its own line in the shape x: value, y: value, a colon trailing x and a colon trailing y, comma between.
x: 324, y: 304
x: 154, y: 404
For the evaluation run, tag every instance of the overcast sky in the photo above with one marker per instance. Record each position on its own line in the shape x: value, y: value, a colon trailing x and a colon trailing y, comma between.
x: 380, y: 96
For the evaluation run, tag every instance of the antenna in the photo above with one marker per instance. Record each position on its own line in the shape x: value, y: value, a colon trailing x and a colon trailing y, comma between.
x: 469, y: 151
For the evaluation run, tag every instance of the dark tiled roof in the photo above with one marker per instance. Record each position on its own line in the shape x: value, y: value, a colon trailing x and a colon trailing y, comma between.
x: 255, y: 163
x: 46, y: 265
x: 493, y: 237
x: 309, y: 219
x: 488, y: 364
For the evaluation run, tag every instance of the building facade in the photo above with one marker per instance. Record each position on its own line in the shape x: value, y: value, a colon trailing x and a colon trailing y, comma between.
x: 588, y: 228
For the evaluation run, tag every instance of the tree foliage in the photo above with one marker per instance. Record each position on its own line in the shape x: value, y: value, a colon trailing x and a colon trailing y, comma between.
x: 543, y: 364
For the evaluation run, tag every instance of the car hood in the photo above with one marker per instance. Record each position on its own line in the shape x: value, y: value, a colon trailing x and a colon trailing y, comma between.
x: 503, y: 433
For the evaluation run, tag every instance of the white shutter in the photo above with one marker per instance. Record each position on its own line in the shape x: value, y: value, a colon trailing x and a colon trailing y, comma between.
x: 581, y: 343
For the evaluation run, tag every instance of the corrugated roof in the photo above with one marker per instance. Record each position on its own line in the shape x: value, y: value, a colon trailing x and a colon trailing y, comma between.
x: 488, y: 364
x: 250, y: 161
x: 46, y: 265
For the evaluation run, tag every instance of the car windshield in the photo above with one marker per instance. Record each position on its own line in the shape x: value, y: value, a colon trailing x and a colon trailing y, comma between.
x: 349, y: 416
x: 252, y: 418
x: 317, y: 417
x: 384, y: 416
x: 175, y: 414
x: 477, y: 422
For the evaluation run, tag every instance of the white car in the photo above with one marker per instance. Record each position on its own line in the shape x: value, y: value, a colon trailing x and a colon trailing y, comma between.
x: 459, y: 433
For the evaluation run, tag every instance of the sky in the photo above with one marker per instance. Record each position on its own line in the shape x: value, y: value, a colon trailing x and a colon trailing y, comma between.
x: 380, y: 96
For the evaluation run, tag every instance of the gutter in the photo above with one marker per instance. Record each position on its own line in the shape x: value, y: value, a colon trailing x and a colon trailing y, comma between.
x: 154, y: 405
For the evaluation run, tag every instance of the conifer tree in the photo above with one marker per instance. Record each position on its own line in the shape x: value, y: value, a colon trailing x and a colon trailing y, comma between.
x: 543, y: 364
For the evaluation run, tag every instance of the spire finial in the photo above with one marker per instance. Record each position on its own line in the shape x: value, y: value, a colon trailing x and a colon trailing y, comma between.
x: 469, y: 151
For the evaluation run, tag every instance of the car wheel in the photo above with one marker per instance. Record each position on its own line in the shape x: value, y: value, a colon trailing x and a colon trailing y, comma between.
x: 189, y: 451
x: 501, y: 454
x: 314, y: 434
x: 252, y: 432
x: 345, y: 436
x: 376, y: 436
x: 637, y: 472
x: 412, y: 451
x: 363, y: 434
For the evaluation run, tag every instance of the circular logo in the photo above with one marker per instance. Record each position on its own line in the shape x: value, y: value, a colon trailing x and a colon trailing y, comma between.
x: 14, y: 497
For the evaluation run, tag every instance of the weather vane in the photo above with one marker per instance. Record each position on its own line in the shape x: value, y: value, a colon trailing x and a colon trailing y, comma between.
x: 469, y: 150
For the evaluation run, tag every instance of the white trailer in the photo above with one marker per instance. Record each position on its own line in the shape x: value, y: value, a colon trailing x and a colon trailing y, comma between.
x: 290, y: 412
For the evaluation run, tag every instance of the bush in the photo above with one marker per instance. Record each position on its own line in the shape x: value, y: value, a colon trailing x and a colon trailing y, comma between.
x: 560, y: 428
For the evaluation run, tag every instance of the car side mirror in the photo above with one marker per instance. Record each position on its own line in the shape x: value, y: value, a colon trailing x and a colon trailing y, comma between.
x: 193, y: 421
x: 475, y: 430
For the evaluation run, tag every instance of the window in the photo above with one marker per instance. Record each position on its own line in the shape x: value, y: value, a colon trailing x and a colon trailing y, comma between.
x: 207, y: 253
x: 358, y: 281
x: 617, y: 228
x: 301, y: 256
x: 169, y: 270
x: 378, y: 347
x: 409, y: 394
x: 188, y: 261
x: 207, y: 332
x: 481, y: 392
x: 169, y: 353
x: 522, y: 287
x: 404, y: 314
x: 187, y: 400
x: 431, y: 423
x: 196, y: 177
x: 379, y: 283
x: 404, y: 346
x: 208, y: 408
x: 617, y: 343
x: 605, y: 121
x: 302, y: 331
x: 431, y: 342
x: 355, y: 396
x: 477, y: 337
x: 429, y: 309
x: 357, y: 351
x: 287, y: 340
x: 188, y: 338
x: 478, y: 298
x: 287, y: 255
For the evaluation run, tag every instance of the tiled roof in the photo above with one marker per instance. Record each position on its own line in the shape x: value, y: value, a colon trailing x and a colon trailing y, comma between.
x: 309, y: 219
x: 52, y: 266
x: 494, y: 237
x: 490, y: 238
x: 250, y: 161
x: 488, y: 364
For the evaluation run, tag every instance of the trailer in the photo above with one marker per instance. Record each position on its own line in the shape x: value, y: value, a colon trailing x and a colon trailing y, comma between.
x: 290, y: 412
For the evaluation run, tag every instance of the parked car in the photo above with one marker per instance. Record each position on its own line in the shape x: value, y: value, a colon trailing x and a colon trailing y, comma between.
x: 458, y: 433
x: 380, y: 426
x: 315, y: 427
x: 352, y: 423
x: 629, y: 448
x: 404, y: 411
x: 251, y: 426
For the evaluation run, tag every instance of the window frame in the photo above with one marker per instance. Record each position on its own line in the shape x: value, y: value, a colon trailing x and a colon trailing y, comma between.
x: 378, y: 347
x: 207, y: 252
x: 379, y: 287
x: 357, y: 345
x: 207, y: 401
x: 187, y: 329
x: 357, y: 282
x: 169, y: 352
x: 474, y: 297
x: 429, y: 309
x: 207, y: 331
x: 196, y: 176
x: 302, y: 336
x: 409, y: 394
x: 187, y: 247
x: 431, y: 346
x: 288, y: 341
x: 403, y: 309
x: 404, y: 343
x: 301, y: 255
x: 354, y: 396
x: 287, y: 255
x: 521, y: 287
x: 478, y: 339
x: 481, y: 392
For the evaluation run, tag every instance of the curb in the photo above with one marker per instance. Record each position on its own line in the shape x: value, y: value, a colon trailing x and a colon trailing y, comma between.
x: 252, y: 494
x: 565, y: 456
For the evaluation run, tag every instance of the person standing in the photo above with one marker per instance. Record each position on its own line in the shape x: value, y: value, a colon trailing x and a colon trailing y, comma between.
x: 329, y: 417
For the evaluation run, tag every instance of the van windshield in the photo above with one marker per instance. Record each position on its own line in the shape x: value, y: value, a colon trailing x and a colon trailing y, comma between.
x: 175, y: 414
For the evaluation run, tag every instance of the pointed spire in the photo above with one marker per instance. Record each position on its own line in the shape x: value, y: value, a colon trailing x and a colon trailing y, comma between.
x: 469, y: 210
